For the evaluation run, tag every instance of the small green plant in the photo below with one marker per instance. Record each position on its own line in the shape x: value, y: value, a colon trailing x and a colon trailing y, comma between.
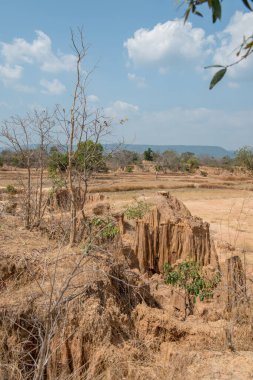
x: 158, y: 168
x: 58, y: 182
x: 189, y: 277
x: 129, y: 169
x: 11, y: 190
x: 137, y: 211
x: 203, y: 173
x: 107, y: 227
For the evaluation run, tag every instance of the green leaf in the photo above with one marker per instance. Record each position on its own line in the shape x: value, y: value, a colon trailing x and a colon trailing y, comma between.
x: 246, y: 3
x: 249, y: 45
x: 198, y: 13
x: 217, y: 77
x: 216, y: 10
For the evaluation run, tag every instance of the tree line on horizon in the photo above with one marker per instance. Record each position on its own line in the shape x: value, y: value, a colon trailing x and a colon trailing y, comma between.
x: 56, y: 159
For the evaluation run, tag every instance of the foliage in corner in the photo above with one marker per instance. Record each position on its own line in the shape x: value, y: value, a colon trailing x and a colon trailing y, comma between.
x: 214, y: 5
x: 246, y: 47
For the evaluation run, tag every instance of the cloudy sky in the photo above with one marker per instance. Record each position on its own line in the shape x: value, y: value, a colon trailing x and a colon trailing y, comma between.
x: 149, y: 67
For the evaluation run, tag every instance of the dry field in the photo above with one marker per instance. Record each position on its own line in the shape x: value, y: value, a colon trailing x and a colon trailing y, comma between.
x: 226, y: 203
x: 222, y: 199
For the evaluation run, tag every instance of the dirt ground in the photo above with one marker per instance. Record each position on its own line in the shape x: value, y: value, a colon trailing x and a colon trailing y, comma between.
x: 145, y: 342
x: 223, y: 199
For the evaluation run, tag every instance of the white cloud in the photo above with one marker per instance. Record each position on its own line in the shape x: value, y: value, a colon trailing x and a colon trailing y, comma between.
x: 54, y: 87
x: 121, y: 110
x: 168, y: 44
x: 230, y: 40
x: 93, y: 98
x: 174, y: 44
x: 140, y: 81
x: 8, y: 72
x: 38, y: 51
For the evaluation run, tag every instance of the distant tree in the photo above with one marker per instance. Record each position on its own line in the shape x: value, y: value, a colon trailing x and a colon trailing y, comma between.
x: 189, y: 161
x: 82, y: 128
x: 206, y: 160
x: 89, y: 157
x: 226, y: 162
x: 244, y: 157
x: 186, y: 156
x: 1, y: 162
x: 148, y: 155
x: 57, y: 162
x: 170, y: 160
x: 122, y: 159
x: 20, y: 134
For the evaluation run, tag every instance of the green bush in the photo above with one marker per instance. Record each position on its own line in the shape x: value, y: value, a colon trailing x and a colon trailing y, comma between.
x: 107, y: 227
x: 58, y: 163
x: 189, y: 277
x: 137, y: 211
x: 129, y: 169
x: 203, y: 173
x: 11, y: 189
x: 58, y: 182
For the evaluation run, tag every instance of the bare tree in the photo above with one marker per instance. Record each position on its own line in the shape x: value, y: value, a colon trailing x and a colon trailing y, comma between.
x: 83, y: 129
x: 30, y: 137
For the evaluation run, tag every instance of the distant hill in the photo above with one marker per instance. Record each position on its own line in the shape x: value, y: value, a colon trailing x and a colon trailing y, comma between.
x: 199, y: 150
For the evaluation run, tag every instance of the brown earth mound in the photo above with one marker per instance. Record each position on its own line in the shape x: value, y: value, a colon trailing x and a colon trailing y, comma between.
x: 170, y: 233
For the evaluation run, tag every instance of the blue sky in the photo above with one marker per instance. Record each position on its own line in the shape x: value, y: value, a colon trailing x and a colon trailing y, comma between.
x: 149, y: 67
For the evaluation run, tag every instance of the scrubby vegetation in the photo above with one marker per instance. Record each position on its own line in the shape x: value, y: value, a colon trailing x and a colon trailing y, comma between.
x: 137, y: 211
x: 188, y: 275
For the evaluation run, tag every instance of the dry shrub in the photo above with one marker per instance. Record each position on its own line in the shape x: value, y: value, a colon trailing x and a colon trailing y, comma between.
x: 20, y: 333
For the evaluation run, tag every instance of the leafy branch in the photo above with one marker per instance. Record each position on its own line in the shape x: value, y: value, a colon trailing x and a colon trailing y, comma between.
x: 214, y: 5
x: 246, y: 47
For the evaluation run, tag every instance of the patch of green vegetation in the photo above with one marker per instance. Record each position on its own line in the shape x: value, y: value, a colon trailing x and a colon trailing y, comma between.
x: 129, y: 169
x: 107, y: 227
x: 11, y: 190
x: 137, y: 211
x: 189, y: 276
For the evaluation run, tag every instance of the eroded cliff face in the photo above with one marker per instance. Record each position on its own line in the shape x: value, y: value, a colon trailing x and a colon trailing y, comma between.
x: 170, y: 233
